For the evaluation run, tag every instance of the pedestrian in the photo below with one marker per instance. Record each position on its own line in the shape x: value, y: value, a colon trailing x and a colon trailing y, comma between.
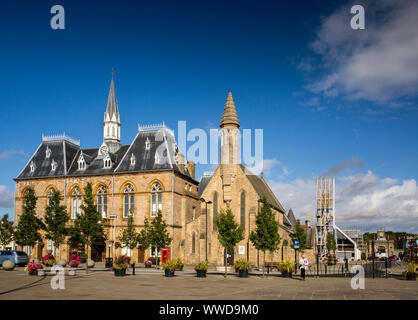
x: 303, y: 266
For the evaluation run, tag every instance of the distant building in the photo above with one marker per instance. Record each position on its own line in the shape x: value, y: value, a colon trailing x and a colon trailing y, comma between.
x: 383, y: 247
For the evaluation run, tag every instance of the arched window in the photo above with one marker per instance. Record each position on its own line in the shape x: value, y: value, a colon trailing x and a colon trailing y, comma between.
x: 128, y: 201
x: 193, y: 243
x: 50, y: 194
x: 102, y: 201
x: 156, y: 199
x: 215, y: 209
x: 75, y: 203
x: 243, y: 210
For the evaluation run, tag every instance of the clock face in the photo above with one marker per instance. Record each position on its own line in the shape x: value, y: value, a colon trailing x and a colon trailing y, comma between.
x: 104, y: 149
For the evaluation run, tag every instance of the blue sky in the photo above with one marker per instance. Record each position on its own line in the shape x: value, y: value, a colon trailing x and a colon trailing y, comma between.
x: 327, y: 100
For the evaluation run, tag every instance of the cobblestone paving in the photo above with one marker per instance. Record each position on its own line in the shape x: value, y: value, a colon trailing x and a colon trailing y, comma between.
x: 153, y: 285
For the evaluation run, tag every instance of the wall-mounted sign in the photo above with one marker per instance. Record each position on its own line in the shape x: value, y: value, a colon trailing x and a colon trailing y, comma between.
x: 241, y: 249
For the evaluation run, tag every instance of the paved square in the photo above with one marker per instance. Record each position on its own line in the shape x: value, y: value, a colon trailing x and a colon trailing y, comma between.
x: 151, y: 284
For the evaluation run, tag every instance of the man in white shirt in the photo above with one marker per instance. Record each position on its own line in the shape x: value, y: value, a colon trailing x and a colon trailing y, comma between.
x: 303, y: 266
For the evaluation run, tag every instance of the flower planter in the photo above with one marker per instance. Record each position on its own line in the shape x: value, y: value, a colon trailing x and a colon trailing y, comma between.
x: 243, y: 273
x: 147, y: 266
x: 287, y: 274
x: 411, y: 276
x: 201, y: 273
x: 33, y: 272
x: 169, y: 273
x: 120, y: 273
x: 180, y: 267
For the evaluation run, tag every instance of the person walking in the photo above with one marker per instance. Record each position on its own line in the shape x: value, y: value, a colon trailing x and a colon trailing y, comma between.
x: 303, y: 266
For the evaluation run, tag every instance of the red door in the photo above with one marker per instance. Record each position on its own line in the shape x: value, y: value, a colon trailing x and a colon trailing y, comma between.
x: 165, y: 254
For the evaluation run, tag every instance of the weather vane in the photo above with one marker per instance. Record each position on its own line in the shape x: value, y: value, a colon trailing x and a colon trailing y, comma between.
x: 113, y: 72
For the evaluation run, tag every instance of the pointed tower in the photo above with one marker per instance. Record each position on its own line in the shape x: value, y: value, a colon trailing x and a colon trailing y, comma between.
x: 230, y: 153
x: 111, y: 124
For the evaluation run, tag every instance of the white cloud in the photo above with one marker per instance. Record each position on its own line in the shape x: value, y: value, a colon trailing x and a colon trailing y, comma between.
x: 9, y: 153
x: 267, y: 165
x: 6, y: 198
x: 396, y: 204
x: 377, y: 64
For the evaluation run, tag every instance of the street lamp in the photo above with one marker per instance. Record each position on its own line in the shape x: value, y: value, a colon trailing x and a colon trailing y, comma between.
x: 114, y: 216
x: 206, y: 233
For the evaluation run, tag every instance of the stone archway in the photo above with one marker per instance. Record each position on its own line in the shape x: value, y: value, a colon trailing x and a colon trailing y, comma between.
x: 98, y: 250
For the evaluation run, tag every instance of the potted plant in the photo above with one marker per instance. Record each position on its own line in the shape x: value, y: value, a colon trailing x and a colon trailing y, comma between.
x: 148, y: 263
x: 74, y: 260
x: 411, y: 271
x: 286, y: 267
x: 48, y: 260
x: 201, y: 269
x: 33, y: 267
x: 170, y: 267
x: 242, y: 266
x: 120, y: 265
x: 180, y: 264
x: 331, y: 260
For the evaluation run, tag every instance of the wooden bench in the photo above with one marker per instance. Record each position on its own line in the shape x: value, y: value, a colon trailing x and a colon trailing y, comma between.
x: 271, y: 265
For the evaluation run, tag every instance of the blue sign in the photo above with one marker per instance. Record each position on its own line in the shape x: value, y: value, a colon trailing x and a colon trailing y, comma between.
x: 296, y: 244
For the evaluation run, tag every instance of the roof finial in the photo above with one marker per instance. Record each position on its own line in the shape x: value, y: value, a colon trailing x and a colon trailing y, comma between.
x: 113, y: 72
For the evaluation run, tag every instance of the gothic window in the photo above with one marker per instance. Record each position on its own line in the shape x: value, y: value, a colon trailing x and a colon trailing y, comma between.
x: 147, y: 144
x: 47, y: 152
x: 194, y: 213
x: 193, y: 243
x: 128, y: 201
x: 50, y: 194
x: 102, y: 201
x: 156, y: 199
x: 157, y: 158
x: 75, y: 203
x: 113, y: 131
x: 133, y: 159
x: 243, y: 209
x: 107, y: 162
x: 81, y: 163
x: 53, y: 165
x: 215, y: 209
x: 32, y: 166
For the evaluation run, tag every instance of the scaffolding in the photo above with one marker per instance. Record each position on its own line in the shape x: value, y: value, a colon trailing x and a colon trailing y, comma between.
x: 325, y: 212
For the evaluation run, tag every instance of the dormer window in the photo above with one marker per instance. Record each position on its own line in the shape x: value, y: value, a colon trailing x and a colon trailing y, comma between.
x: 147, y: 144
x: 47, y: 152
x: 133, y: 159
x: 53, y: 165
x: 81, y: 163
x: 32, y: 166
x: 107, y: 163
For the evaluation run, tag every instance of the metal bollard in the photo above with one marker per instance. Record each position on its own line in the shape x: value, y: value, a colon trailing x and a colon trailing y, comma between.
x: 133, y: 268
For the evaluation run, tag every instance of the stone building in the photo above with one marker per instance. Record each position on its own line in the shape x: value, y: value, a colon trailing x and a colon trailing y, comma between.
x: 382, y: 246
x: 148, y: 175
x: 233, y: 186
x: 141, y: 178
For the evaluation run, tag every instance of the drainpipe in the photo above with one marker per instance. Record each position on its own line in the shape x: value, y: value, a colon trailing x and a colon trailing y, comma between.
x: 172, y: 215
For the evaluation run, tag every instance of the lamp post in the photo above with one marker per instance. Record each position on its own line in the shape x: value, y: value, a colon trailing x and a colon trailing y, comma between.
x: 206, y: 226
x: 114, y: 216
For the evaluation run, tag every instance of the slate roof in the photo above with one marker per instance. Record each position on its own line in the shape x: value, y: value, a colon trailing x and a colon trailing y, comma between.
x: 291, y: 217
x: 204, y: 180
x: 67, y: 154
x: 61, y: 151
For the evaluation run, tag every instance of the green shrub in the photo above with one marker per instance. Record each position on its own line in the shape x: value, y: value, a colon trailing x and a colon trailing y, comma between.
x: 202, y: 265
x: 242, y: 264
x: 170, y: 265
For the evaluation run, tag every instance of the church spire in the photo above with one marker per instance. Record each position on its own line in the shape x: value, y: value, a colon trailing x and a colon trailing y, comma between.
x: 230, y: 117
x: 111, y: 125
x: 112, y: 111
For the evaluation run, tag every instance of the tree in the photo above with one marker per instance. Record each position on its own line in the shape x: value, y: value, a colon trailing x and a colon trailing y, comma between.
x: 143, y: 236
x: 55, y: 221
x: 129, y: 236
x: 229, y: 231
x: 157, y: 233
x: 266, y: 236
x: 299, y: 234
x: 6, y: 231
x: 88, y: 225
x: 27, y: 230
x: 331, y: 243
